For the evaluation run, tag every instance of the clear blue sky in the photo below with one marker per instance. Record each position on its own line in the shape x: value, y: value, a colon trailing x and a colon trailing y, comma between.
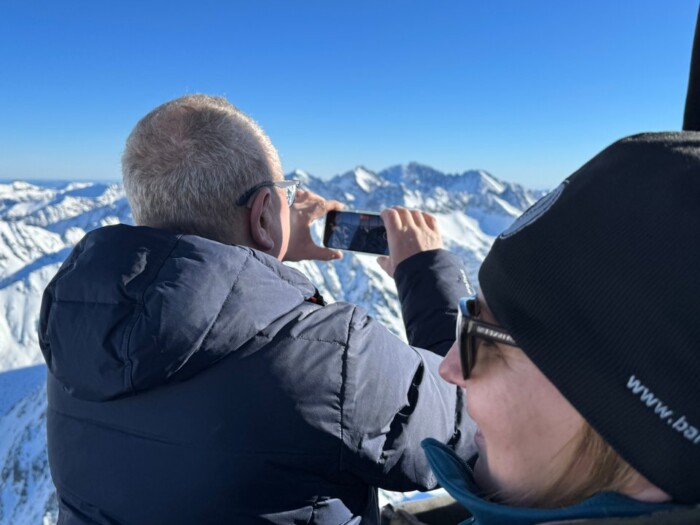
x: 528, y: 90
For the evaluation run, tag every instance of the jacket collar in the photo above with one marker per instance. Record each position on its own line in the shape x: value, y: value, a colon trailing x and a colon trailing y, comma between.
x: 457, y: 478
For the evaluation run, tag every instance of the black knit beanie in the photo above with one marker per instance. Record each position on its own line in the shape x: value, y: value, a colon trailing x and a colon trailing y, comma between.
x: 599, y: 284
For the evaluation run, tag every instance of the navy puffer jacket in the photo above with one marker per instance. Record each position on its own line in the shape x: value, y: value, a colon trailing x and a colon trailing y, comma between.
x: 195, y: 382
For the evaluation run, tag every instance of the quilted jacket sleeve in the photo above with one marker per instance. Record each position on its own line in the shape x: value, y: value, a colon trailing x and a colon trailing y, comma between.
x: 430, y: 285
x: 392, y: 396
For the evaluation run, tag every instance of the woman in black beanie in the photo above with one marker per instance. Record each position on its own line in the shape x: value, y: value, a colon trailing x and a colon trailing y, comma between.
x: 580, y: 356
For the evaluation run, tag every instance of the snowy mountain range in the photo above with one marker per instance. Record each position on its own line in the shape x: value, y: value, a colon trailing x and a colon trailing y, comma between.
x: 40, y: 223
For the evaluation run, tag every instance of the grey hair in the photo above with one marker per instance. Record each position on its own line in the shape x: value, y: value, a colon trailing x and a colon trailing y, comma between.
x: 187, y: 162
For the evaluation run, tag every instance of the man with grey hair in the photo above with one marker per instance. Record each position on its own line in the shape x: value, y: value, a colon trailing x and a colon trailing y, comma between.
x: 194, y: 378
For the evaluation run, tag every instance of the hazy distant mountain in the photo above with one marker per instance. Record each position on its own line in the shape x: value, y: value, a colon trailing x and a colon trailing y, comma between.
x: 40, y: 223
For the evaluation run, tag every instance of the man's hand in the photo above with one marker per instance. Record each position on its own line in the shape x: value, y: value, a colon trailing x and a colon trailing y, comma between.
x: 308, y: 207
x: 408, y: 232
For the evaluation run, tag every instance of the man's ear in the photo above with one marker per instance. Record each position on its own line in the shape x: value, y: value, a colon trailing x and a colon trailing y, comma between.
x: 260, y: 221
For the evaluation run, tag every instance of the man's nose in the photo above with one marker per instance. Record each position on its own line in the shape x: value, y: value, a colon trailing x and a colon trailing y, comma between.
x: 451, y: 367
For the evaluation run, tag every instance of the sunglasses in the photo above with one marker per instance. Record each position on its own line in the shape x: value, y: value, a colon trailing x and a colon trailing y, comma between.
x: 289, y: 186
x: 469, y: 329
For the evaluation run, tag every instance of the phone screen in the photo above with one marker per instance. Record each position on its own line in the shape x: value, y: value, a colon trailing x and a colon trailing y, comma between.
x: 356, y: 231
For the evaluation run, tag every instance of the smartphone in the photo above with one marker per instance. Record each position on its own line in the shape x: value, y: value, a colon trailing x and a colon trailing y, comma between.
x: 356, y: 231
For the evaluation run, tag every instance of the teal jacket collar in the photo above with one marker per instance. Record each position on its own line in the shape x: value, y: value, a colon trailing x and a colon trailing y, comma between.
x: 457, y: 478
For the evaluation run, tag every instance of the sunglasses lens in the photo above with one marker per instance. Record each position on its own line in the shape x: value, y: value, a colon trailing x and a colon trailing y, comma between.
x: 463, y: 344
x: 467, y: 353
x: 466, y: 342
x: 473, y: 306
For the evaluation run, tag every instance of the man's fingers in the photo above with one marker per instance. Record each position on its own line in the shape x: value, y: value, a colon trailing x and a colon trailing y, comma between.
x: 409, y: 232
x: 319, y: 209
x: 430, y: 221
x: 391, y: 219
x: 301, y: 196
x: 406, y: 218
x: 418, y: 218
x: 313, y: 206
x: 400, y: 218
x: 309, y: 206
x: 334, y: 205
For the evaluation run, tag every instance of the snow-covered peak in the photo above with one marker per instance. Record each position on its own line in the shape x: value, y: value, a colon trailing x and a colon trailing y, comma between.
x: 476, y: 181
x: 491, y: 183
x: 18, y: 192
x: 20, y: 185
x: 301, y: 175
x: 360, y: 178
x: 413, y: 174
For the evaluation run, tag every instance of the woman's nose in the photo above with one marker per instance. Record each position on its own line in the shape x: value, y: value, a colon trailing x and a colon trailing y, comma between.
x: 451, y: 367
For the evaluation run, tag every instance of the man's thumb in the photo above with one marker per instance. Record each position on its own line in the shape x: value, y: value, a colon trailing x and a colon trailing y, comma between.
x: 320, y: 253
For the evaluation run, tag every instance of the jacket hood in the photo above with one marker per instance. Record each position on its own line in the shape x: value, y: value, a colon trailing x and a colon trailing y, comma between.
x: 133, y: 307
